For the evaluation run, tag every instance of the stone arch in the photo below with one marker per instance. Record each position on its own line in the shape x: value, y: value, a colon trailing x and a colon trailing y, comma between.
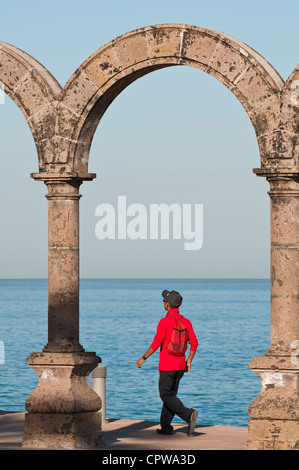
x: 109, y: 70
x: 33, y: 89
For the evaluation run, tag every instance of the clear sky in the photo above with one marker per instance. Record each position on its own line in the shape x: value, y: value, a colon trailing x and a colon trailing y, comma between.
x: 174, y: 136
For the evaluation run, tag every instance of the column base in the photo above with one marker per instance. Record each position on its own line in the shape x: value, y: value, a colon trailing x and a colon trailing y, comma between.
x: 63, y: 409
x: 63, y: 431
x: 272, y: 434
x: 274, y: 413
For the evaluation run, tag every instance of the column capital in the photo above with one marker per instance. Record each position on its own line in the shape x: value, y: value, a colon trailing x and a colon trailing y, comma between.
x: 64, y: 186
x: 283, y: 183
x: 46, y: 177
x: 276, y: 172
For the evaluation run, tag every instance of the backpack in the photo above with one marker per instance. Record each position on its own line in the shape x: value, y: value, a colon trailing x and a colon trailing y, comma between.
x: 178, y: 339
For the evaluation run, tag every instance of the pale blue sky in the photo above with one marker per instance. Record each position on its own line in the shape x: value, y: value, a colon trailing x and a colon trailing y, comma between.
x: 174, y: 136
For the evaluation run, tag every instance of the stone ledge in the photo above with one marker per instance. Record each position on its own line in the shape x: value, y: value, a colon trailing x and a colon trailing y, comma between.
x: 273, y: 362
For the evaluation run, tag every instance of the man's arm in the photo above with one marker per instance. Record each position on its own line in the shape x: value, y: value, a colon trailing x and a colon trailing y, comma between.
x: 194, y: 344
x: 158, y: 340
x: 148, y: 353
x: 189, y: 360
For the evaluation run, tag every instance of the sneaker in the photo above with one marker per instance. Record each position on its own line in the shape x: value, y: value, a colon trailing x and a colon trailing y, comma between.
x: 191, y: 428
x: 161, y: 431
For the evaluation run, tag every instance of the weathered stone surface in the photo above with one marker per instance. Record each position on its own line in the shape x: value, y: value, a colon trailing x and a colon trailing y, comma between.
x: 198, y: 46
x: 104, y: 66
x: 77, y: 96
x: 63, y: 431
x: 273, y: 435
x: 164, y: 41
x: 132, y: 49
x: 63, y: 385
x: 13, y: 72
x: 278, y: 398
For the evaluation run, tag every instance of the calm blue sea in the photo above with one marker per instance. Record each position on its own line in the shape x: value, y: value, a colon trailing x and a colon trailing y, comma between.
x: 118, y: 321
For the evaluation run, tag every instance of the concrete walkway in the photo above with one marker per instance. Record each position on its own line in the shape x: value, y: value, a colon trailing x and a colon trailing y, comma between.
x: 123, y: 434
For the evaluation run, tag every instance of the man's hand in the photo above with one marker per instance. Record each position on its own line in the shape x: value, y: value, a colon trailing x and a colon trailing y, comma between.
x: 140, y: 362
x: 148, y: 353
x: 189, y: 360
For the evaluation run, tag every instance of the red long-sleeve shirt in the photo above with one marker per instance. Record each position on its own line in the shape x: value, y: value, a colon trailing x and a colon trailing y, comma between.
x: 162, y: 337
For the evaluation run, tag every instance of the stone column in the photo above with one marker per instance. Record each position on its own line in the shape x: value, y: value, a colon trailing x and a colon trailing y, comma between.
x: 63, y: 265
x: 63, y: 409
x: 274, y: 414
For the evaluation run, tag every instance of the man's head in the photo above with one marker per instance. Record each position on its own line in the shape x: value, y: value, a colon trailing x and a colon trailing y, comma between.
x: 171, y: 298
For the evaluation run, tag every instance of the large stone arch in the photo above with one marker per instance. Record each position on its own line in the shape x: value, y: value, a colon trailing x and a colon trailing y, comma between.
x: 63, y: 408
x: 97, y: 82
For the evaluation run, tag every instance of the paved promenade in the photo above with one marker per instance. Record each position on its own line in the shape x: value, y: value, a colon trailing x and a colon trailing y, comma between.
x: 123, y: 434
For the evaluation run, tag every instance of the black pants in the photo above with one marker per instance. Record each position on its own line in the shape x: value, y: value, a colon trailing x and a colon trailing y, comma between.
x: 168, y: 387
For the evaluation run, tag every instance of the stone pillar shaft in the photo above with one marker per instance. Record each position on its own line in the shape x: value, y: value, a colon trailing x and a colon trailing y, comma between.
x: 284, y: 196
x: 63, y: 266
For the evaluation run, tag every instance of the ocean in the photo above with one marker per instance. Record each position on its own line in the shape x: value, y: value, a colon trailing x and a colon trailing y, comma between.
x: 118, y: 319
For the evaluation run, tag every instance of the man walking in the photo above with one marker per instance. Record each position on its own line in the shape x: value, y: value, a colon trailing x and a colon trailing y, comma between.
x: 172, y: 367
